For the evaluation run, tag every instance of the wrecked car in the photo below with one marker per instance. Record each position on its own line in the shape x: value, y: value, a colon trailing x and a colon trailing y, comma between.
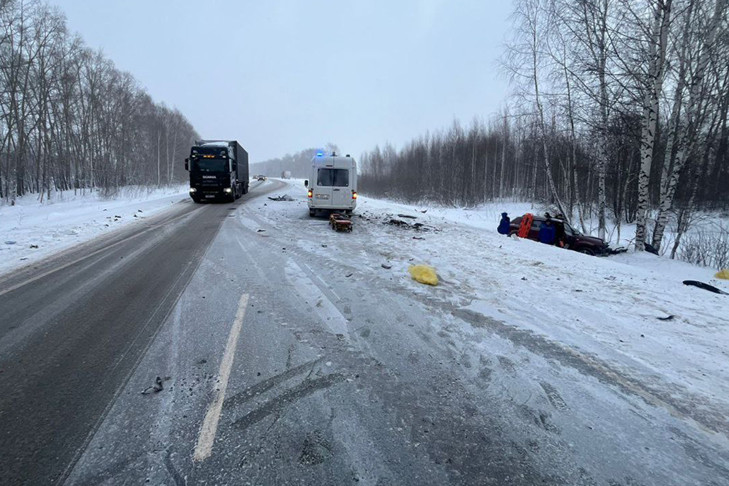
x: 567, y: 236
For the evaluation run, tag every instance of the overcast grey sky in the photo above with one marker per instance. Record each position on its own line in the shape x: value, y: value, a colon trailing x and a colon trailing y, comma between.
x: 281, y: 76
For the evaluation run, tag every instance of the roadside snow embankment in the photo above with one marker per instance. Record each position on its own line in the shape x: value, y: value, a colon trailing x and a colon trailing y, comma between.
x: 31, y: 231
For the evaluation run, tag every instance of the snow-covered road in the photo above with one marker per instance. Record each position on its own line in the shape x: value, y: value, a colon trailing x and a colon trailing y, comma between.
x: 526, y: 364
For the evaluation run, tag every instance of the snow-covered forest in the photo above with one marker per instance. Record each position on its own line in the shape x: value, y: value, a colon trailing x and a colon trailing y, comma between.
x: 70, y: 120
x: 619, y: 112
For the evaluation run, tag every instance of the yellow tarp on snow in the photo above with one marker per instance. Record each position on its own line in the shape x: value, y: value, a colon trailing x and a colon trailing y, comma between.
x: 424, y: 274
x: 723, y: 274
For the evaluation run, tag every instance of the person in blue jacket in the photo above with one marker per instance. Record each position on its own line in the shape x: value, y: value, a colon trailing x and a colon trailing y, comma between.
x: 504, y: 224
x: 547, y: 232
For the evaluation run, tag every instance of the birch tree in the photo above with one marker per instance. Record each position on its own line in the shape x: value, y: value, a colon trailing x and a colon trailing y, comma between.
x: 652, y: 85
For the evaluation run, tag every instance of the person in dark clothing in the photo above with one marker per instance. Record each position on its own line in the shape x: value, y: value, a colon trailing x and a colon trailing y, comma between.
x: 560, y: 235
x: 547, y: 232
x: 504, y: 225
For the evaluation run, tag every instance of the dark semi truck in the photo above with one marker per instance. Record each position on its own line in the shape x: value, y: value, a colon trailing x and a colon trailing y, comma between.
x: 218, y: 170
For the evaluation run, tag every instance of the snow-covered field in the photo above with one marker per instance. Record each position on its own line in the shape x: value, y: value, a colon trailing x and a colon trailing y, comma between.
x: 630, y: 311
x: 31, y: 231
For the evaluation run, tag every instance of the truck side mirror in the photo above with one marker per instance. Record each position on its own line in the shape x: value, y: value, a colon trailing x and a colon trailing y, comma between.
x: 306, y: 182
x: 186, y: 164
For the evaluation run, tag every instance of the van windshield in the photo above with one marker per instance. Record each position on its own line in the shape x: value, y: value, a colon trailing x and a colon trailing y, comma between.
x: 333, y: 177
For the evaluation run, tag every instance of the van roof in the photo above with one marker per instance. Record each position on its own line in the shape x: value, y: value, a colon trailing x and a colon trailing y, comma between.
x: 334, y: 161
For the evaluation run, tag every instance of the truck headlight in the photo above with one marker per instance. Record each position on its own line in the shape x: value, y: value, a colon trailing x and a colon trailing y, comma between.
x: 227, y: 189
x: 192, y: 189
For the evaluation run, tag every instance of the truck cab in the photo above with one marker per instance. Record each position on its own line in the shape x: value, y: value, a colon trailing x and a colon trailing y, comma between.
x: 214, y: 171
x: 332, y: 184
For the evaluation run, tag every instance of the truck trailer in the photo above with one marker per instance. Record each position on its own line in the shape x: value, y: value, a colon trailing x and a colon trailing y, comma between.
x: 218, y: 170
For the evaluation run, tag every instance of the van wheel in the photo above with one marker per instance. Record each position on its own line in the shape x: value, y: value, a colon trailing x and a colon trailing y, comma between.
x: 587, y: 251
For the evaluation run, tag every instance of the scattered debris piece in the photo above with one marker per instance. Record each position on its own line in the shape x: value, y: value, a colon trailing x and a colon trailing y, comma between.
x: 424, y: 211
x: 407, y: 216
x: 386, y: 266
x: 139, y: 210
x: 397, y: 222
x: 667, y: 318
x: 405, y: 224
x: 704, y: 286
x: 260, y: 230
x: 117, y: 216
x: 418, y: 238
x: 722, y: 274
x: 10, y: 242
x: 323, y: 245
x: 285, y: 197
x: 156, y: 388
x: 349, y: 275
x: 423, y: 274
x: 34, y: 246
x: 340, y: 222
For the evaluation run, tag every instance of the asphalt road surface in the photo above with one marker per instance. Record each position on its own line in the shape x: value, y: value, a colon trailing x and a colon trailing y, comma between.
x: 216, y: 345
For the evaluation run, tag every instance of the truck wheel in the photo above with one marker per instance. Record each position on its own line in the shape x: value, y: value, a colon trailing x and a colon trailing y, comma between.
x: 312, y: 213
x: 196, y: 200
x: 586, y: 251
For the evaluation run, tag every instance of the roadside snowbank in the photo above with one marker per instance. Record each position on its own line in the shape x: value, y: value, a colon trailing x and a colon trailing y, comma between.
x: 31, y: 231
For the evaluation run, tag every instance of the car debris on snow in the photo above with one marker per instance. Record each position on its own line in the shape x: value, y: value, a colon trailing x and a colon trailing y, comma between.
x: 156, y: 388
x: 704, y: 286
x: 386, y: 266
x: 285, y: 197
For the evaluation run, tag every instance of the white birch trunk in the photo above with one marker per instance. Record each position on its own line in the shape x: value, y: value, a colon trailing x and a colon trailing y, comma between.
x: 653, y: 87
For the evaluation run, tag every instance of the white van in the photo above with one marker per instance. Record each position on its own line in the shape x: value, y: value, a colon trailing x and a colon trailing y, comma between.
x: 332, y: 183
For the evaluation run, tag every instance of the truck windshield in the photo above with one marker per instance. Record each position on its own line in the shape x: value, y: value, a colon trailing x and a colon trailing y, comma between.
x: 210, y: 165
x: 333, y: 177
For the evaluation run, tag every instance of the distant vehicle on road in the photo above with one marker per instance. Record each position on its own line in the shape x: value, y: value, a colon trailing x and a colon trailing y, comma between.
x: 572, y: 239
x: 332, y: 184
x: 218, y: 170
